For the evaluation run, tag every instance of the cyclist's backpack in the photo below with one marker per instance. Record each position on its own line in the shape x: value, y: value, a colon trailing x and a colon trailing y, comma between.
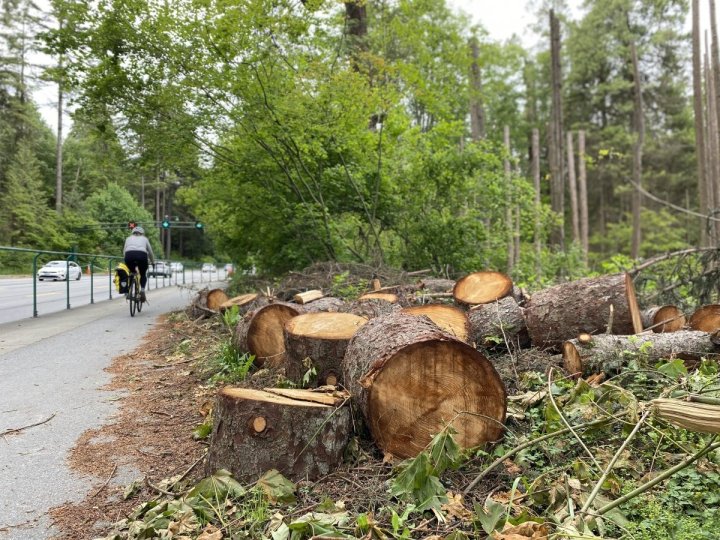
x: 122, y: 275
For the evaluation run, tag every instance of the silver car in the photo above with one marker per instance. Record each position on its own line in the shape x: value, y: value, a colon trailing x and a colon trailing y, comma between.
x: 60, y: 270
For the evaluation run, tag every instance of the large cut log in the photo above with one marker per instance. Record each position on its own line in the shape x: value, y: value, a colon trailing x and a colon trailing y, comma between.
x: 436, y: 285
x: 411, y: 379
x: 498, y: 323
x: 609, y: 354
x: 706, y: 318
x: 451, y: 319
x: 327, y: 303
x: 588, y: 305
x: 319, y: 340
x: 255, y: 431
x: 372, y: 308
x: 662, y: 319
x: 260, y: 332
x: 481, y: 288
x: 207, y: 302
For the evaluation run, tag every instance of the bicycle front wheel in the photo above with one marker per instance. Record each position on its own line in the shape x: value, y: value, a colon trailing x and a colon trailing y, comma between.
x: 132, y: 296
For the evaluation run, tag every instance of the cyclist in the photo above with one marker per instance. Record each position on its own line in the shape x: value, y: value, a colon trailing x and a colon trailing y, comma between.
x: 137, y: 252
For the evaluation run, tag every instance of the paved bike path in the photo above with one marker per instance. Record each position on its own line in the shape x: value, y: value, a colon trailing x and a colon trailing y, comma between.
x: 51, y: 372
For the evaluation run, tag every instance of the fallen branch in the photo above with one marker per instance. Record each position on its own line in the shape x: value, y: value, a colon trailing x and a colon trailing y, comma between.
x: 18, y: 430
x: 106, y: 482
x: 666, y: 256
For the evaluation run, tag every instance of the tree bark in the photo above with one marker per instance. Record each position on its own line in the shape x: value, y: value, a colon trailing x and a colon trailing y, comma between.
x: 639, y: 127
x: 261, y: 333
x: 481, y: 288
x: 411, y: 380
x: 452, y: 320
x: 509, y: 222
x: 255, y: 431
x: 372, y: 308
x: 712, y: 141
x: 572, y: 187
x: 611, y: 353
x: 245, y: 302
x: 706, y: 318
x: 477, y: 113
x: 564, y: 311
x: 535, y: 166
x: 319, y: 340
x: 699, y: 118
x: 557, y: 191
x: 327, y: 303
x: 582, y: 186
x: 436, y: 285
x: 498, y: 323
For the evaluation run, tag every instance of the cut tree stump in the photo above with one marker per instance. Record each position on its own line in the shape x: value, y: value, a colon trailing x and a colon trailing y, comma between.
x: 327, y: 303
x: 565, y: 311
x: 255, y: 431
x: 498, y: 323
x: 308, y: 296
x: 411, y: 380
x: 706, y: 318
x: 320, y: 339
x: 662, y: 319
x: 451, y: 319
x: 481, y: 288
x: 207, y: 302
x: 260, y: 332
x: 609, y: 354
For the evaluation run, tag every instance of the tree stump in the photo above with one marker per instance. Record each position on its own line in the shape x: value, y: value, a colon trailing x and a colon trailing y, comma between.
x: 372, y: 308
x: 207, y: 302
x: 452, y: 320
x: 662, y: 319
x: 260, y: 332
x: 706, y: 318
x: 327, y: 303
x: 322, y: 338
x: 564, y: 311
x: 481, y: 288
x: 498, y: 323
x: 410, y: 379
x: 610, y: 353
x: 255, y: 431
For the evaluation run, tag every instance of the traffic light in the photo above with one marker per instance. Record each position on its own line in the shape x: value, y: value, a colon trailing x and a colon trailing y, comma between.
x: 165, y: 223
x: 199, y: 225
x: 131, y: 225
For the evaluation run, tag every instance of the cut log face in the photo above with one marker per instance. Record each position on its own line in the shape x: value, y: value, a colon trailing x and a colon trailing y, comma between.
x: 609, y: 354
x: 261, y: 332
x: 451, y: 319
x: 706, y: 318
x: 498, y: 323
x: 238, y: 301
x: 387, y: 297
x: 207, y: 302
x: 410, y: 379
x: 216, y: 298
x: 482, y: 287
x: 662, y: 319
x: 323, y: 339
x: 565, y: 311
x: 256, y: 431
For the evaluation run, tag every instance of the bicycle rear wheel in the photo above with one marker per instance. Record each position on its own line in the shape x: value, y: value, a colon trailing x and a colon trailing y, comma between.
x: 139, y: 296
x: 132, y: 295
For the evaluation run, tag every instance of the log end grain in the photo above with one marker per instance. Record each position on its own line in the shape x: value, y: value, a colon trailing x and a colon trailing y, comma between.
x: 482, y: 287
x: 240, y: 300
x: 706, y: 318
x: 387, y: 297
x: 451, y: 319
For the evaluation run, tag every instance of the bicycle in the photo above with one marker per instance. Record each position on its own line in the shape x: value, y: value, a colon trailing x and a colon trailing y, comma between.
x: 133, y: 295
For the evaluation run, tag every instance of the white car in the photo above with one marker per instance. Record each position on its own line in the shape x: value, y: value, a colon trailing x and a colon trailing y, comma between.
x: 60, y: 270
x: 209, y: 267
x: 176, y: 267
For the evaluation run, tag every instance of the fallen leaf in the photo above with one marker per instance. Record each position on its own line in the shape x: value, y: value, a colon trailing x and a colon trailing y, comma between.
x: 455, y: 508
x: 512, y: 468
x: 529, y: 530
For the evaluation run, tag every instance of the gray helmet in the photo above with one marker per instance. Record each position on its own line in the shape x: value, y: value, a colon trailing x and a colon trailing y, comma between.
x: 138, y: 230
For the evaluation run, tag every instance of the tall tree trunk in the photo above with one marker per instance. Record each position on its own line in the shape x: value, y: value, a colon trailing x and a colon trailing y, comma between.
x: 509, y: 222
x: 557, y: 187
x: 582, y: 184
x: 712, y: 142
x: 572, y: 185
x: 639, y: 127
x: 536, y: 180
x: 699, y: 118
x: 477, y: 113
x: 59, y: 143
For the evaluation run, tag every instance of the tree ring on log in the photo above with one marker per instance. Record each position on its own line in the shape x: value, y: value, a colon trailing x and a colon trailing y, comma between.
x: 482, y: 287
x: 259, y: 424
x: 265, y: 338
x: 706, y: 318
x: 661, y: 319
x: 451, y: 319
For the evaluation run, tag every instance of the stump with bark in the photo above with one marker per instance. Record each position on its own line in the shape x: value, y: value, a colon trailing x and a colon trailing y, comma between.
x: 589, y: 305
x: 371, y: 308
x: 260, y: 332
x: 451, y: 319
x: 662, y: 319
x: 411, y: 379
x: 609, y: 354
x: 319, y: 339
x: 327, y: 303
x: 207, y: 302
x: 436, y: 285
x: 498, y: 323
x: 706, y: 318
x: 481, y: 288
x: 255, y: 431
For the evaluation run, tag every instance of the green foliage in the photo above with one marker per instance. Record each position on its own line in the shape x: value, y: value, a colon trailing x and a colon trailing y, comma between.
x: 229, y: 365
x: 231, y: 317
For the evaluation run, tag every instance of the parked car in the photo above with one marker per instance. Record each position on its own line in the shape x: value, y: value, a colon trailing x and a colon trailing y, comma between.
x: 161, y: 269
x: 176, y: 267
x: 209, y: 267
x: 60, y: 270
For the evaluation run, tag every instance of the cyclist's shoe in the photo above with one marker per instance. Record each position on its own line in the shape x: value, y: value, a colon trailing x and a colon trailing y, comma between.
x: 143, y: 298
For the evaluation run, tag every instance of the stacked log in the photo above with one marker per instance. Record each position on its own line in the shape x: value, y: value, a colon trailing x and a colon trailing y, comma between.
x: 608, y: 353
x: 481, y: 288
x: 452, y: 320
x: 662, y: 319
x: 411, y: 380
x: 706, y: 318
x: 260, y: 332
x: 588, y: 305
x: 501, y: 322
x: 320, y: 339
x: 303, y: 435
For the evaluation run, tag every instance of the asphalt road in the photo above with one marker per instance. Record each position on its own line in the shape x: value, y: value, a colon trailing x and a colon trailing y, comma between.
x: 51, y: 372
